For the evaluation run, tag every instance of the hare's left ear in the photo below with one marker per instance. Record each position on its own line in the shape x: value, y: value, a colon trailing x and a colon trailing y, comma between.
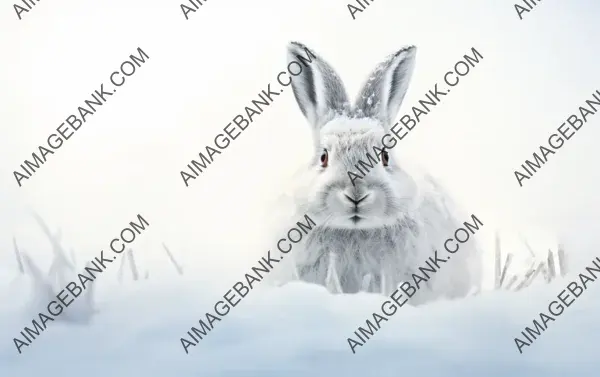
x: 318, y: 89
x: 382, y: 94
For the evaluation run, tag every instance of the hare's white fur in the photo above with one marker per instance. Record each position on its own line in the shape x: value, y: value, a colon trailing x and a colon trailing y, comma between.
x: 400, y: 218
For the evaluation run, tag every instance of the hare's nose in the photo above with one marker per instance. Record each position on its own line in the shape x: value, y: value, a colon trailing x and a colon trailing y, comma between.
x: 355, y: 202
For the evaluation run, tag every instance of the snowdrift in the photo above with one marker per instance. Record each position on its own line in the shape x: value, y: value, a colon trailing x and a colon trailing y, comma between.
x: 300, y: 330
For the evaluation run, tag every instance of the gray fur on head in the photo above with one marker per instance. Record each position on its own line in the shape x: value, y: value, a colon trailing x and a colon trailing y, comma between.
x: 376, y: 231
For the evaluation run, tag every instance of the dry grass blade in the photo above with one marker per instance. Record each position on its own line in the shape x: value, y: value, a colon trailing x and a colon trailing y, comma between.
x: 120, y: 271
x: 530, y: 277
x: 512, y: 281
x: 89, y: 295
x: 172, y: 258
x: 54, y: 241
x: 18, y: 256
x: 562, y: 260
x: 498, y: 262
x: 551, y: 266
x: 134, y: 270
x: 531, y: 253
x: 545, y: 272
x: 505, y: 269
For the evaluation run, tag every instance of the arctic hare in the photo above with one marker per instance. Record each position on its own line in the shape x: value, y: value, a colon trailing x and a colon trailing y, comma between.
x: 372, y: 233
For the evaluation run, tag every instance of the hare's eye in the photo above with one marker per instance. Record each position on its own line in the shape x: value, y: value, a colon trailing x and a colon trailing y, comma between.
x: 385, y: 158
x: 324, y: 158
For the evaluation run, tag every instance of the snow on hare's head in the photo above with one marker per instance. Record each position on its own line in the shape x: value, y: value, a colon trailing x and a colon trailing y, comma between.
x: 343, y: 134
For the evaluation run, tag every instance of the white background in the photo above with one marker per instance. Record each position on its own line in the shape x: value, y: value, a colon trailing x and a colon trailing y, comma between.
x: 127, y: 157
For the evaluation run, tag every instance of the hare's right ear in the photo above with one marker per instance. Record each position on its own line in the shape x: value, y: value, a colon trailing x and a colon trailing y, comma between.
x: 318, y: 89
x: 382, y: 94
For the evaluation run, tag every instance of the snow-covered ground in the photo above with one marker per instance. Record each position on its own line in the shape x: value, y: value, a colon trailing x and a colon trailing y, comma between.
x: 301, y: 330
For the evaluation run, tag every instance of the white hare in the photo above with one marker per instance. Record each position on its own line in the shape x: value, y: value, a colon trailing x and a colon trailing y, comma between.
x: 373, y: 233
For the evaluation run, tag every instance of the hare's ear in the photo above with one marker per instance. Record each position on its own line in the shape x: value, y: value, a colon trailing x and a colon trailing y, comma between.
x: 318, y: 89
x: 383, y: 92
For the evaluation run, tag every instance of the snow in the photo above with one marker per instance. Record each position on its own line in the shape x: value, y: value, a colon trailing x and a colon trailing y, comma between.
x: 301, y: 330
